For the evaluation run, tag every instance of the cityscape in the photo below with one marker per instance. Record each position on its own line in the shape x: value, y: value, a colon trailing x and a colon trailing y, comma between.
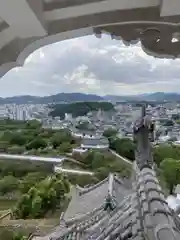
x: 166, y: 117
x: 85, y: 149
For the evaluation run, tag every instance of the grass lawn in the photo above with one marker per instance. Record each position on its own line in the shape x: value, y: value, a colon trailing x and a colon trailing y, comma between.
x: 68, y: 164
x: 6, y: 204
x: 1, y: 133
x: 57, y: 213
x: 42, y: 226
x: 163, y: 185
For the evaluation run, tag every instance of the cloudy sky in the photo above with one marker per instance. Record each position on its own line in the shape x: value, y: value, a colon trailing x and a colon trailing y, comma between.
x: 91, y: 65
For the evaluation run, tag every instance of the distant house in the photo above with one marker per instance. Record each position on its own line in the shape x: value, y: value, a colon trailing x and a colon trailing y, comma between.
x: 177, y: 143
x: 95, y: 143
x: 83, y: 134
x: 79, y: 150
x: 163, y: 139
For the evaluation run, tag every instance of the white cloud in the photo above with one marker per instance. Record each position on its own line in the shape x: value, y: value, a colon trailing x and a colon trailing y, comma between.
x: 91, y: 65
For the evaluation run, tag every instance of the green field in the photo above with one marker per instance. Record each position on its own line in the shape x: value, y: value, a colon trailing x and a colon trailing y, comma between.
x: 1, y: 133
x: 6, y: 204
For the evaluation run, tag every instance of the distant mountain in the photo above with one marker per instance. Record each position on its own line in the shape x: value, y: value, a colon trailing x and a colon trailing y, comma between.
x: 115, y: 98
x: 60, y: 97
x: 161, y: 96
x: 79, y: 97
x: 157, y: 96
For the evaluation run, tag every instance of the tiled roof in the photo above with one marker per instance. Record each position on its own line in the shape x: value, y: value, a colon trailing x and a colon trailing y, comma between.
x: 85, y: 217
x: 156, y: 218
x: 139, y: 214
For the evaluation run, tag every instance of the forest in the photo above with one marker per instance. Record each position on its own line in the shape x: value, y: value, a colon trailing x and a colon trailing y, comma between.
x: 79, y: 108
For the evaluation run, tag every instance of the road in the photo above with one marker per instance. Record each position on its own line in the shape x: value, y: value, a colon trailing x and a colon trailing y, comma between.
x: 33, y: 158
x: 122, y: 158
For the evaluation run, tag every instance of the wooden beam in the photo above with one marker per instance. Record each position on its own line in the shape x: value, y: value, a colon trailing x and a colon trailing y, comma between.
x: 21, y: 18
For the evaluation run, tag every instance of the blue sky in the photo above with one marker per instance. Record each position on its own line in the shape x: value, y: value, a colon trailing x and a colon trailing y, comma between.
x: 91, y: 65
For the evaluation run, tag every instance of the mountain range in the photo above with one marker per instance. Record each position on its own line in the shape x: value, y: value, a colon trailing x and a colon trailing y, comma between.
x: 157, y: 96
x: 60, y: 97
x: 77, y: 97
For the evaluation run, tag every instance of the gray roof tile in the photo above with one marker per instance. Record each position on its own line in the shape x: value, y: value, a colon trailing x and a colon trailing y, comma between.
x: 165, y: 234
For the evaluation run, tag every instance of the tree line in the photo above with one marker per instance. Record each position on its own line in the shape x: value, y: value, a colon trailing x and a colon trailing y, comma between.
x: 101, y: 164
x: 166, y: 157
x: 31, y: 140
x: 79, y: 108
x: 43, y: 196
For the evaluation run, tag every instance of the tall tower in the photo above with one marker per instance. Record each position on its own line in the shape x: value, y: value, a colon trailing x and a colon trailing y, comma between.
x: 143, y: 110
x: 143, y: 129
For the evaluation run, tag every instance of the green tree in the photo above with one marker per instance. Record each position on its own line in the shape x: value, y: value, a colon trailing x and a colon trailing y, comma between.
x: 110, y: 133
x: 36, y: 208
x: 98, y: 160
x: 46, y: 133
x: 33, y: 124
x: 65, y: 147
x: 124, y: 147
x: 17, y: 139
x: 23, y: 207
x: 66, y: 185
x: 170, y: 170
x: 57, y: 139
x: 30, y: 180
x: 102, y: 173
x: 80, y: 108
x: 16, y: 149
x: 19, y: 236
x: 7, y: 135
x: 88, y: 158
x: 52, y: 198
x: 4, y: 146
x: 38, y: 142
x: 166, y: 151
x: 59, y: 188
x: 8, y: 184
x: 42, y: 197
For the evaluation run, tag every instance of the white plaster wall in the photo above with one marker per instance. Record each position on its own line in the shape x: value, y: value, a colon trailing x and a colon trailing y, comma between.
x: 103, y: 6
x: 21, y: 18
x: 170, y: 7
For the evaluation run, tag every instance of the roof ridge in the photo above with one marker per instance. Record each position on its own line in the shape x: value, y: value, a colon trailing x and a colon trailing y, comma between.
x: 118, y: 179
x: 110, y: 184
x: 78, y: 219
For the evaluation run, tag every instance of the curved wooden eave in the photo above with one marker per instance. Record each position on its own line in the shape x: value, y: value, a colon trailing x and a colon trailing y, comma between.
x: 130, y: 25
